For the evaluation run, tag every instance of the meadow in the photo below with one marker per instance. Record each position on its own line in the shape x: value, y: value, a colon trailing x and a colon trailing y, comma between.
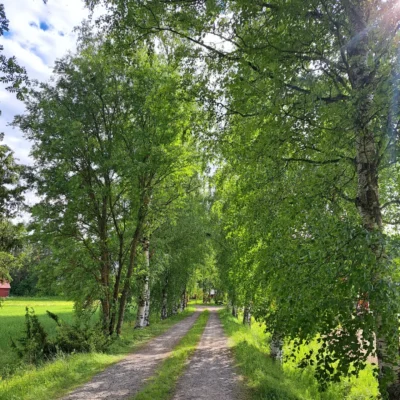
x: 12, y: 323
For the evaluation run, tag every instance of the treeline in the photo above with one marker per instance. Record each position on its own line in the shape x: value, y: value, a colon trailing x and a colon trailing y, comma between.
x: 122, y: 215
x: 119, y: 179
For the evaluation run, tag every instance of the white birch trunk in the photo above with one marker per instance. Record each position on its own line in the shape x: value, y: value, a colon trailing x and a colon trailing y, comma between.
x: 276, y: 348
x: 181, y: 305
x: 147, y: 307
x: 234, y: 311
x: 367, y: 161
x: 146, y: 248
x: 143, y: 314
x: 143, y: 305
x: 183, y: 301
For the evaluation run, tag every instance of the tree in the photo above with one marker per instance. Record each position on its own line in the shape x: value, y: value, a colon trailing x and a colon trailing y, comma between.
x: 107, y: 134
x: 315, y: 84
x: 180, y: 247
x: 11, y: 191
x: 11, y: 198
x: 11, y: 73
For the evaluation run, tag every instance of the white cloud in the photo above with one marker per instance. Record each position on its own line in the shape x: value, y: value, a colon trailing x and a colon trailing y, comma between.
x: 39, y: 34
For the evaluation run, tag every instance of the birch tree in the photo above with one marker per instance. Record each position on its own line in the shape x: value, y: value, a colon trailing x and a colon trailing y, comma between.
x: 180, y: 248
x: 318, y: 84
x: 107, y: 133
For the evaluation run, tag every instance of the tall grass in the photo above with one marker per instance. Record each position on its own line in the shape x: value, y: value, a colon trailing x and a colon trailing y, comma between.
x: 267, y: 379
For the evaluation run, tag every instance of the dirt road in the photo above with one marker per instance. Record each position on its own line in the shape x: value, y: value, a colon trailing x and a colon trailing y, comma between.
x: 126, y: 378
x: 210, y: 373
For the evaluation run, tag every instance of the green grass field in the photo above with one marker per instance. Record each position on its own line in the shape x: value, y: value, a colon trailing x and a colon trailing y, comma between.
x: 266, y: 379
x: 12, y: 323
x: 55, y: 378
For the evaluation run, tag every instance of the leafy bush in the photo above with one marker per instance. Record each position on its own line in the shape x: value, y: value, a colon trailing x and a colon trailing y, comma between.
x: 80, y: 337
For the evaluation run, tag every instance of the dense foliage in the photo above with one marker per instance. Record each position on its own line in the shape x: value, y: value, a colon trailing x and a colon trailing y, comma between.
x: 306, y: 99
x: 240, y: 147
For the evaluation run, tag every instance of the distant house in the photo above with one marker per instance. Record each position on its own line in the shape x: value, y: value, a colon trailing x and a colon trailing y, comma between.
x: 4, y: 289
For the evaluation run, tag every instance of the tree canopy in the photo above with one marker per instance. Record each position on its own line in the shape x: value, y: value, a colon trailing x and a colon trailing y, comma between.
x: 247, y: 147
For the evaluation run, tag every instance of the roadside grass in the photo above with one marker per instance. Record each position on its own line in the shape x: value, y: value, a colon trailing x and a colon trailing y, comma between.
x: 161, y: 386
x: 55, y: 378
x: 266, y: 379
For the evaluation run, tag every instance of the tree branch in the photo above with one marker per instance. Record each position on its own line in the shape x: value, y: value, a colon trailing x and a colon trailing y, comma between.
x: 334, y: 161
x: 387, y: 204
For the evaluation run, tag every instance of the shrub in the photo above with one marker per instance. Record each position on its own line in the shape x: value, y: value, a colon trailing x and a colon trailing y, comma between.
x: 80, y: 337
x: 35, y: 346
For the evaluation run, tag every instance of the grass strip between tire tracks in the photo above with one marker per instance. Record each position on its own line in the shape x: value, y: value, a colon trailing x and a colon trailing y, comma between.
x: 161, y: 386
x: 57, y: 377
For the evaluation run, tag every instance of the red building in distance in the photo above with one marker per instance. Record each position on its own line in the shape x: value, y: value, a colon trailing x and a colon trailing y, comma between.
x: 4, y: 289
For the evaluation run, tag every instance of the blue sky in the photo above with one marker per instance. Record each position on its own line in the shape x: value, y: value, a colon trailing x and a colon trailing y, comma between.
x: 39, y: 34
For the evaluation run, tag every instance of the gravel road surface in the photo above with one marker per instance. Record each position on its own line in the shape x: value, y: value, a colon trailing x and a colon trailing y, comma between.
x: 124, y: 379
x: 210, y: 373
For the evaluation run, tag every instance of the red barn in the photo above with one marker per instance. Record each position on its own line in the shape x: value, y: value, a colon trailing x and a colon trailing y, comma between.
x: 4, y: 289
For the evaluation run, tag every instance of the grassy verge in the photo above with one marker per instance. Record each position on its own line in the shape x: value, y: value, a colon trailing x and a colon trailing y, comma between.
x: 162, y: 385
x: 268, y: 380
x: 55, y: 378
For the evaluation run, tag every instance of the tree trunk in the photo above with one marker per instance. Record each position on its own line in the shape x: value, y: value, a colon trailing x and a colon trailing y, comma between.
x: 105, y: 267
x: 142, y: 212
x: 367, y: 162
x: 105, y: 312
x: 183, y: 301
x: 147, y: 309
x: 114, y: 305
x: 143, y: 312
x: 276, y: 347
x: 247, y: 316
x: 186, y: 299
x: 142, y: 303
x: 164, y: 306
x: 127, y: 284
x: 204, y: 297
x: 146, y: 249
x: 234, y: 311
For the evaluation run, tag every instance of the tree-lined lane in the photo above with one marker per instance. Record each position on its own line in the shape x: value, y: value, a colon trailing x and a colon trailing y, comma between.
x: 124, y: 379
x: 210, y: 373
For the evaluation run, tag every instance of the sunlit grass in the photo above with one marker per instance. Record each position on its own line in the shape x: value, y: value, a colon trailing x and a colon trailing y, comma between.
x: 193, y: 302
x: 15, y: 306
x: 267, y: 379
